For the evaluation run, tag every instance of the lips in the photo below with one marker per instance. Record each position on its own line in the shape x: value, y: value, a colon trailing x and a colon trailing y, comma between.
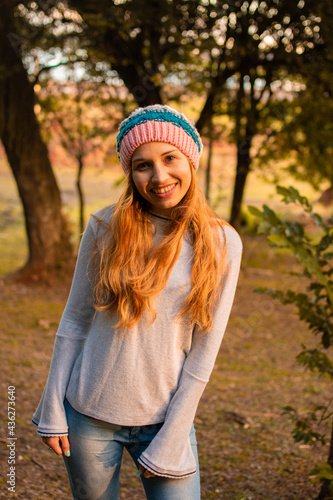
x: 164, y: 190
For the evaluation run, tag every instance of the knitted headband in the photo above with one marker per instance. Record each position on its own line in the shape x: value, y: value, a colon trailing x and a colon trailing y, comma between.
x: 158, y: 124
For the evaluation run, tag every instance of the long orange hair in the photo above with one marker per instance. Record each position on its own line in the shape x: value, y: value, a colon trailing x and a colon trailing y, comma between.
x: 130, y: 271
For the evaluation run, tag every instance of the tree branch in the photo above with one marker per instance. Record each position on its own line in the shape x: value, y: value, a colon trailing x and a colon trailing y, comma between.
x: 64, y: 63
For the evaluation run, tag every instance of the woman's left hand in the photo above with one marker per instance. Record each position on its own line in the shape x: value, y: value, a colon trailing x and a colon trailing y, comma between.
x: 146, y: 473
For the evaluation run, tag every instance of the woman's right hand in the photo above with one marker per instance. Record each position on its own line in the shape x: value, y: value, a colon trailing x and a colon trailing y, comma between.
x: 59, y: 444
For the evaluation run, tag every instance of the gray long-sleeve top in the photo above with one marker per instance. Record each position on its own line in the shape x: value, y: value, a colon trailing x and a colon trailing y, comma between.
x: 150, y: 373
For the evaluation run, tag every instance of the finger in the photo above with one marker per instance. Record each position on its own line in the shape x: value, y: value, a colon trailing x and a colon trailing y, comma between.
x: 141, y: 469
x: 148, y: 474
x: 64, y: 443
x: 54, y: 443
x: 145, y: 472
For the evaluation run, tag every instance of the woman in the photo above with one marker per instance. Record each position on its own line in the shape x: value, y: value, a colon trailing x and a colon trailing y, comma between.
x: 150, y: 299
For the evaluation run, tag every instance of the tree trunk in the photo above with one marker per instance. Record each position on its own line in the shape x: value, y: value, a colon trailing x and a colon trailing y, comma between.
x: 207, y: 112
x: 47, y: 231
x: 243, y: 168
x: 209, y: 162
x: 144, y: 91
x: 126, y: 56
x: 80, y: 192
x: 244, y: 135
x: 325, y: 491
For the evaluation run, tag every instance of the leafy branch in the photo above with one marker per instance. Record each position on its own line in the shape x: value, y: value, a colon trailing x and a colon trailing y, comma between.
x: 314, y: 306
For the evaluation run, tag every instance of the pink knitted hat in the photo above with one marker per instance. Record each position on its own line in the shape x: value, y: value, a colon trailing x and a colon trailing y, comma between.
x: 158, y: 124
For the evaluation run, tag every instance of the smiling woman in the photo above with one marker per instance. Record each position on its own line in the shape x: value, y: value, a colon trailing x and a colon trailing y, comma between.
x: 162, y: 175
x: 151, y: 296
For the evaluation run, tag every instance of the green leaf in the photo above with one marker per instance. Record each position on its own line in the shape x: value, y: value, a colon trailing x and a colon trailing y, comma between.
x: 278, y: 240
x: 326, y: 339
x: 316, y: 360
x: 305, y: 257
x: 264, y: 226
x: 318, y: 219
x: 261, y: 290
x: 328, y: 255
x: 291, y: 195
x: 286, y: 193
x: 324, y: 471
x: 289, y: 409
x: 299, y: 229
x: 255, y: 211
x: 324, y: 243
x: 271, y: 216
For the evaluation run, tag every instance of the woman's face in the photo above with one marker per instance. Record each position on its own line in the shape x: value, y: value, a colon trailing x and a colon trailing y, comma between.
x: 161, y: 174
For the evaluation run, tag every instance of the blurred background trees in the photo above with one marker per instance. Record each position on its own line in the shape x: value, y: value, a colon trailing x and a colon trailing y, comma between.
x: 47, y: 231
x: 262, y: 66
x: 81, y: 115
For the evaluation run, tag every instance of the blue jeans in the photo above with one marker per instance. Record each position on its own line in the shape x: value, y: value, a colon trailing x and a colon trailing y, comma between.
x: 96, y: 452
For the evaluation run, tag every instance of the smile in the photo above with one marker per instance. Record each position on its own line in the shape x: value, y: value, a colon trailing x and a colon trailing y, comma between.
x: 165, y: 189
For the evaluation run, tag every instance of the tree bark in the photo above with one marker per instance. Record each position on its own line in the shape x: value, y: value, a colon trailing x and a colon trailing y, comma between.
x: 80, y: 193
x: 126, y: 56
x: 243, y: 158
x: 244, y: 135
x: 209, y: 162
x: 207, y: 112
x: 47, y: 231
x: 243, y: 168
x: 325, y: 491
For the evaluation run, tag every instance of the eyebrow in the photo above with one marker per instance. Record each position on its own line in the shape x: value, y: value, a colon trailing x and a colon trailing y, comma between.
x: 163, y: 154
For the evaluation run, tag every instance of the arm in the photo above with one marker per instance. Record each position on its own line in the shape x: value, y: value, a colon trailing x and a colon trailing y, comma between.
x: 50, y: 417
x: 170, y: 454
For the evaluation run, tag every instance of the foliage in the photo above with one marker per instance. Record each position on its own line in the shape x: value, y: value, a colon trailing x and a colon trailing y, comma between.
x: 315, y: 305
x: 299, y: 130
x: 80, y: 114
x: 223, y: 57
x: 82, y: 117
x: 303, y: 427
x: 324, y: 472
x: 211, y: 57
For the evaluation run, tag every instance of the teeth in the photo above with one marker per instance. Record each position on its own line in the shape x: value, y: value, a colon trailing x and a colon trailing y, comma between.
x: 164, y: 190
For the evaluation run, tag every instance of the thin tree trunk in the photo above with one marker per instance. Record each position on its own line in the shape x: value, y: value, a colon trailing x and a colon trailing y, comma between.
x: 325, y: 491
x: 47, y: 231
x: 243, y: 158
x: 206, y: 112
x: 209, y: 162
x: 243, y: 168
x: 80, y: 192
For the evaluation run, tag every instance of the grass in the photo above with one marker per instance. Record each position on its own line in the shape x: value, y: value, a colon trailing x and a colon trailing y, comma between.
x: 101, y: 188
x: 245, y: 444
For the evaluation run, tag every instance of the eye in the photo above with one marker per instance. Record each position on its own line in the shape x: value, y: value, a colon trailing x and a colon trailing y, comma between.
x: 170, y: 157
x: 142, y: 166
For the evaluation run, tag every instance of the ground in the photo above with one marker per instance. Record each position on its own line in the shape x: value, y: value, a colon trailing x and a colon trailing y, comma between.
x: 246, y: 448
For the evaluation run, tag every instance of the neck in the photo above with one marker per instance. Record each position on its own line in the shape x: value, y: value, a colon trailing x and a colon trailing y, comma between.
x: 160, y: 216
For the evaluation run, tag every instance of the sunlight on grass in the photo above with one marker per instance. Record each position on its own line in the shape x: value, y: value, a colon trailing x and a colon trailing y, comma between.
x: 101, y: 187
x: 13, y: 242
x: 99, y: 190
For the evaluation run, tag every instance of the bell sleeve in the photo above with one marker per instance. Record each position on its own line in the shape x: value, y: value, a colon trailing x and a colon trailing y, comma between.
x: 170, y: 454
x: 50, y: 417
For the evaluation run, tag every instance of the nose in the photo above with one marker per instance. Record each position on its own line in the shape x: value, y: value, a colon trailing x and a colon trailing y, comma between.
x: 160, y: 174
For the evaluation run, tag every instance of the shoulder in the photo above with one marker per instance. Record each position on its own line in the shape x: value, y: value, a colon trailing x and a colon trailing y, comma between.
x: 233, y: 239
x: 230, y: 239
x: 101, y: 218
